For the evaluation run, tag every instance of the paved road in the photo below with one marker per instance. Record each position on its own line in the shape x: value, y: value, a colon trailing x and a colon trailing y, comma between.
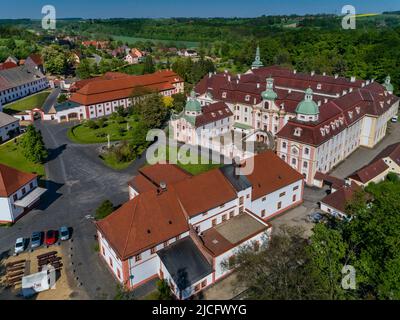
x: 362, y: 155
x: 51, y: 99
x: 78, y: 182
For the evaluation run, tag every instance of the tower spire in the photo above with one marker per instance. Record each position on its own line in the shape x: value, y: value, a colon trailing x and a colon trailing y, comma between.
x: 257, y: 63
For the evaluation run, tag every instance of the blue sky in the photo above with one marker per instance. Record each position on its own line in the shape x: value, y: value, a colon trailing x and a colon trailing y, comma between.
x: 187, y: 8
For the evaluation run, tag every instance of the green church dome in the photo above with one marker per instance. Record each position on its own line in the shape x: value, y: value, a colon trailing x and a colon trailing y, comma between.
x: 193, y: 104
x: 308, y: 106
x: 269, y: 94
x: 389, y: 87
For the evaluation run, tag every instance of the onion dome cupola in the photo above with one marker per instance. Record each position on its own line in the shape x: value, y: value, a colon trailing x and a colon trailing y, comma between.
x: 193, y: 106
x: 269, y: 93
x: 388, y: 85
x: 257, y: 63
x: 307, y: 110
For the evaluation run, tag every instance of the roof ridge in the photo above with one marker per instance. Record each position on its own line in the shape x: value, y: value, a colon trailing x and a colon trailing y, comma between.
x: 136, y: 203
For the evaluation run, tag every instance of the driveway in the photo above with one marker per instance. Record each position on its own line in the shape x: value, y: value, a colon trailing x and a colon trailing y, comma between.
x: 78, y: 182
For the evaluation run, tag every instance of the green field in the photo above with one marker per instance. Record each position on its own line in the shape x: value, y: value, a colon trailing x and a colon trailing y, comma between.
x: 132, y: 40
x: 85, y: 135
x: 11, y: 156
x: 28, y: 103
x: 199, y: 167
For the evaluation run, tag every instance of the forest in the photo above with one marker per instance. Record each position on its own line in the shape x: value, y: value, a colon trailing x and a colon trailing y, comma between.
x: 306, y: 43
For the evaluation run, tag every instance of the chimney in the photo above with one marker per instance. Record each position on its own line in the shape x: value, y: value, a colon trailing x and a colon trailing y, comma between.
x: 325, y: 100
x: 312, y: 73
x: 368, y: 82
x: 210, y: 74
x: 295, y: 71
x: 162, y: 188
x: 324, y: 74
x: 229, y: 78
x: 351, y: 90
x: 372, y: 80
x: 239, y: 75
x: 258, y: 85
x: 336, y: 76
x: 362, y: 85
x: 353, y: 79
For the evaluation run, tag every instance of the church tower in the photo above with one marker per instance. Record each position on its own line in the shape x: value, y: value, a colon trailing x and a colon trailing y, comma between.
x: 257, y: 62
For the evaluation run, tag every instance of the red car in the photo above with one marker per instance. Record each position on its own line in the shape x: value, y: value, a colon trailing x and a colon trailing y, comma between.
x: 51, y: 237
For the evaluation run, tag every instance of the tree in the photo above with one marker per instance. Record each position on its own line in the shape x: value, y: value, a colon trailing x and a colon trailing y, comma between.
x: 104, y: 210
x: 124, y: 294
x: 62, y: 98
x: 32, y: 146
x: 84, y: 69
x: 148, y: 65
x: 163, y: 290
x: 179, y: 102
x: 278, y: 271
x: 152, y: 111
x: 56, y: 59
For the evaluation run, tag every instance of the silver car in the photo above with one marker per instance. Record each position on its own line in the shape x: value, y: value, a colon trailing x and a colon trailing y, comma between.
x: 19, y: 245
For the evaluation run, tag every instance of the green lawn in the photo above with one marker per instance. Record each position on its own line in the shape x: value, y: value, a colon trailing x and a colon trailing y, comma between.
x: 11, y: 156
x: 85, y: 135
x: 27, y: 103
x: 201, y: 165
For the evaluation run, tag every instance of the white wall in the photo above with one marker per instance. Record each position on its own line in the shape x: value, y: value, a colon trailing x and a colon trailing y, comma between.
x: 271, y: 200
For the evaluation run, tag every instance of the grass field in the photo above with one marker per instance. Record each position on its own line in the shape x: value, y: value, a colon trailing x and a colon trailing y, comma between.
x: 112, y: 162
x: 201, y: 165
x: 85, y: 135
x: 33, y: 101
x: 132, y: 40
x: 11, y: 156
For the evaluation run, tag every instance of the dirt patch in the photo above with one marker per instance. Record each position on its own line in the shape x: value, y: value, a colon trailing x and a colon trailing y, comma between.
x: 62, y: 290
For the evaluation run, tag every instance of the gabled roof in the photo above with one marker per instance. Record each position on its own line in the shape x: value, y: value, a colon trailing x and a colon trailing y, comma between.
x: 6, y: 119
x: 150, y: 177
x: 145, y: 221
x: 392, y: 152
x: 270, y: 174
x: 11, y: 180
x: 339, y: 199
x: 370, y: 171
x: 100, y: 90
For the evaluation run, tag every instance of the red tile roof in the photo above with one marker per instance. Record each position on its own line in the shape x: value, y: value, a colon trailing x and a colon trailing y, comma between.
x: 271, y: 173
x: 11, y: 180
x: 106, y: 90
x: 392, y: 152
x: 142, y: 223
x: 150, y: 177
x: 7, y: 65
x: 36, y: 58
x: 370, y: 171
x: 339, y: 199
x: 212, y: 113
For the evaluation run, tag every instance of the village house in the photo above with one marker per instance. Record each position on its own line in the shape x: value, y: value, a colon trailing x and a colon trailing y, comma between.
x: 175, y: 222
x: 19, y: 193
x: 317, y: 120
x: 134, y: 56
x: 35, y: 61
x: 99, y: 45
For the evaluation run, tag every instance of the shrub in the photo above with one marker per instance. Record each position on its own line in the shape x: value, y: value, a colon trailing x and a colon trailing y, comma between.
x: 91, y: 124
x: 104, y: 210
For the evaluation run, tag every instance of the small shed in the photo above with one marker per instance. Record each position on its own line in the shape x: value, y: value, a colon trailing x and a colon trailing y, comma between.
x: 38, y: 282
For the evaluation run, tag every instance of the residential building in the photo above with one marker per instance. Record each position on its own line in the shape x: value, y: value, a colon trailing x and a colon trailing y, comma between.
x: 35, y: 61
x: 134, y: 56
x: 19, y: 192
x: 99, y: 45
x: 9, y: 127
x: 19, y: 82
x: 388, y: 161
x: 194, y: 223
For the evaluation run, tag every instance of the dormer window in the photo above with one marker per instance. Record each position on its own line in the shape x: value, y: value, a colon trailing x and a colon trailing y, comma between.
x: 319, y: 86
x: 358, y: 110
x: 224, y: 95
x: 220, y: 112
x: 247, y: 98
x: 327, y: 130
x: 351, y: 114
x: 297, y: 132
x: 333, y: 126
x: 213, y: 114
x: 322, y: 132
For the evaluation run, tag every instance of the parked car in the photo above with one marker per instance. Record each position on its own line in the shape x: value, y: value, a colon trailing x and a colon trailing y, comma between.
x: 315, y: 217
x: 51, y: 237
x: 64, y: 234
x: 36, y: 240
x: 19, y: 245
x: 394, y: 119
